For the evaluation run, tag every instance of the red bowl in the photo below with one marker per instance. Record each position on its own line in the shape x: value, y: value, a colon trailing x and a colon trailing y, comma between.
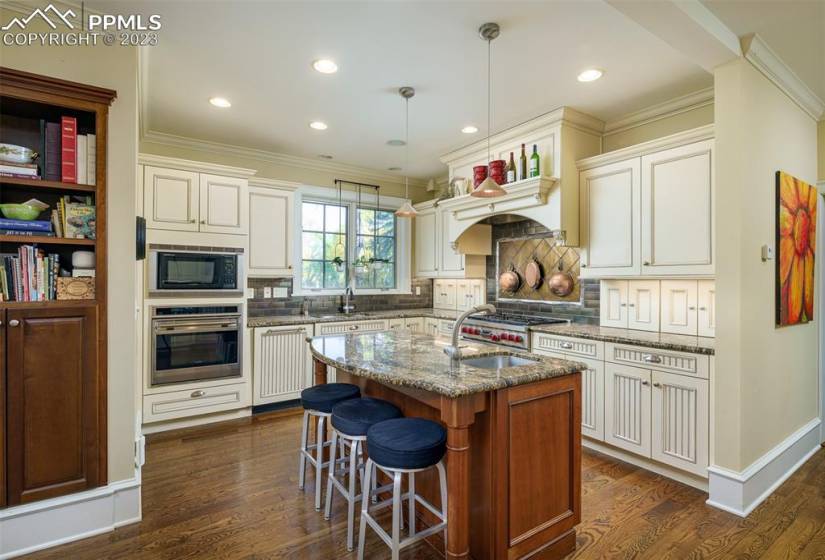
x: 497, y: 164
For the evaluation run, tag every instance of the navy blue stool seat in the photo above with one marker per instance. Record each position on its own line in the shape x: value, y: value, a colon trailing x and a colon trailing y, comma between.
x: 407, y: 443
x: 354, y: 417
x: 323, y: 397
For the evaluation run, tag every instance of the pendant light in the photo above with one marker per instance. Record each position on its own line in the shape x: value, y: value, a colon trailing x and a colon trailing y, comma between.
x: 488, y: 188
x: 406, y: 210
x: 340, y: 250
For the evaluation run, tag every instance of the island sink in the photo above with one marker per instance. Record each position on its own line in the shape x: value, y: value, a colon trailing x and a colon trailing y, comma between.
x: 498, y: 362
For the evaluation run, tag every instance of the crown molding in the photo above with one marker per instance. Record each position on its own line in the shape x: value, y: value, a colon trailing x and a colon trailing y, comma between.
x: 273, y: 183
x: 347, y: 170
x: 196, y: 166
x: 673, y: 107
x: 764, y: 59
x: 663, y: 143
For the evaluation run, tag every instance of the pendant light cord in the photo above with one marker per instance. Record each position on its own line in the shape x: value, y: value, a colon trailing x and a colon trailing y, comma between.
x: 489, y: 95
x: 407, y: 148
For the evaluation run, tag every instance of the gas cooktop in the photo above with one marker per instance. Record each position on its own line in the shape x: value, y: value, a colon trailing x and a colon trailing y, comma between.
x: 507, y: 329
x: 514, y: 319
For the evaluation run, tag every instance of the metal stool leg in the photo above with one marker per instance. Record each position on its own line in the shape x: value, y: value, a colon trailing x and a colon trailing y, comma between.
x: 331, y: 472
x: 352, y: 498
x: 396, y: 515
x: 365, y: 504
x: 411, y: 503
x: 319, y: 461
x: 302, y: 460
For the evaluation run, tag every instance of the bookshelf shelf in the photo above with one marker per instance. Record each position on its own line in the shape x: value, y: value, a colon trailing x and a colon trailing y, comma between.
x: 53, y: 303
x: 44, y: 240
x: 19, y: 182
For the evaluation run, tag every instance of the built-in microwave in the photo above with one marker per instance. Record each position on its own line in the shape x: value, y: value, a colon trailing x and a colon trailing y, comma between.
x: 197, y: 271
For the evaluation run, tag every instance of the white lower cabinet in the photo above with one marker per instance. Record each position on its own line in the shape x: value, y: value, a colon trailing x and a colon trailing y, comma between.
x: 372, y: 325
x: 592, y: 398
x: 158, y: 407
x: 396, y: 323
x: 627, y: 408
x: 282, y: 363
x: 679, y: 421
x: 431, y: 326
x: 415, y: 324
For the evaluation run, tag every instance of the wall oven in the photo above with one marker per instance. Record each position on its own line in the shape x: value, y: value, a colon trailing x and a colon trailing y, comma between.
x: 199, y: 271
x: 195, y: 343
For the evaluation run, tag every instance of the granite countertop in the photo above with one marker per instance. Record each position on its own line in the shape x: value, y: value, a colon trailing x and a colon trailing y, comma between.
x: 278, y: 320
x: 663, y: 341
x: 401, y: 357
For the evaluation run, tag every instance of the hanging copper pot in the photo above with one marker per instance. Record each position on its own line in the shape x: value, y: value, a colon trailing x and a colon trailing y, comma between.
x: 532, y: 274
x: 561, y: 283
x: 510, y: 280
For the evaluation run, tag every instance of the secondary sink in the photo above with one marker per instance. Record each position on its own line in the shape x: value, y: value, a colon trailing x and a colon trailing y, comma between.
x: 498, y: 362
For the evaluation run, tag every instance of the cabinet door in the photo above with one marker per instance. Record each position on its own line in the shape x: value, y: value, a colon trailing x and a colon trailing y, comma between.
x: 679, y: 315
x: 431, y: 326
x: 609, y: 198
x: 415, y: 324
x: 643, y: 305
x: 613, y: 303
x: 680, y: 422
x: 677, y: 210
x: 706, y: 298
x: 464, y: 295
x: 477, y: 293
x: 445, y: 294
x: 396, y: 323
x: 426, y: 234
x: 171, y: 199
x: 592, y: 398
x: 224, y: 204
x: 281, y: 363
x: 451, y: 262
x: 627, y: 408
x: 270, y: 232
x: 55, y: 417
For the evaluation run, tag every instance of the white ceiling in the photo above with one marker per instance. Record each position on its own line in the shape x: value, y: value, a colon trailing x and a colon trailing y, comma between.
x: 794, y: 30
x: 258, y: 55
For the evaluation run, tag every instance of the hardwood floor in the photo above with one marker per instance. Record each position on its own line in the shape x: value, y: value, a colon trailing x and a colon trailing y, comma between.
x: 229, y: 492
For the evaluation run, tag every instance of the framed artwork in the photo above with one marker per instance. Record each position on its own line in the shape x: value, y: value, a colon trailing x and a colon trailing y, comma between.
x: 796, y: 242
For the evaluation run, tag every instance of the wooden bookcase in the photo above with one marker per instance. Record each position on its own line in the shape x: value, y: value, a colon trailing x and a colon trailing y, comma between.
x: 53, y: 405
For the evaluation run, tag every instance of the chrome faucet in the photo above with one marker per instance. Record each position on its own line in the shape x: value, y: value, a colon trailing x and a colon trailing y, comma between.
x: 454, y: 351
x: 348, y: 307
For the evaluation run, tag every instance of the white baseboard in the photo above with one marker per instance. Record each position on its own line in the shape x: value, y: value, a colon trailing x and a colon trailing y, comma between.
x: 648, y: 464
x: 741, y: 492
x: 156, y: 427
x: 31, y: 527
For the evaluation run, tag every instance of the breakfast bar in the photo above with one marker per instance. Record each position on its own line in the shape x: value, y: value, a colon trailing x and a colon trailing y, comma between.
x: 513, y: 423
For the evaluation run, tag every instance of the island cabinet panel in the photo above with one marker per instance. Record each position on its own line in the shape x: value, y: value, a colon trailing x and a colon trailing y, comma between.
x: 537, y: 455
x: 53, y: 419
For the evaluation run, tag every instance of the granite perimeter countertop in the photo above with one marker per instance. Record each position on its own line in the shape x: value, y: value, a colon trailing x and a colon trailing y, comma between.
x: 662, y: 341
x: 279, y: 320
x: 401, y: 357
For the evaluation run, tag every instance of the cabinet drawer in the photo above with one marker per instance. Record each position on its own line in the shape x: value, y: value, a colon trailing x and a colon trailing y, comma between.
x: 568, y: 345
x: 354, y: 326
x: 194, y: 402
x: 685, y: 363
x: 445, y: 327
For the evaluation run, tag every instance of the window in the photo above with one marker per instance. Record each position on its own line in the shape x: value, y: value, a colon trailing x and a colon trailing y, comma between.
x: 375, y: 249
x: 324, y: 246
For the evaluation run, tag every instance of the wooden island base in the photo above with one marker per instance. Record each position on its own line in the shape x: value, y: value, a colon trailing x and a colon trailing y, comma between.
x: 513, y: 465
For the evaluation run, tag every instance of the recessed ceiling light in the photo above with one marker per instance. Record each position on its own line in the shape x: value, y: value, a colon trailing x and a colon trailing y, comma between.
x: 221, y: 102
x: 318, y: 125
x: 325, y: 66
x: 324, y: 156
x: 396, y: 143
x: 590, y: 75
x: 469, y: 129
x: 393, y: 169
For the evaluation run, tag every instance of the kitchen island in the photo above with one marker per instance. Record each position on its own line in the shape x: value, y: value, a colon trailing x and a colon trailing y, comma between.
x: 513, y: 435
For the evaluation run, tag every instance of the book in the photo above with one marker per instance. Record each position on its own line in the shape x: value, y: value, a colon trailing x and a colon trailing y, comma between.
x: 68, y: 149
x: 57, y: 225
x: 81, y: 159
x: 26, y: 225
x: 53, y: 172
x: 79, y: 221
x: 41, y: 150
x: 25, y: 233
x: 25, y: 170
x: 91, y: 159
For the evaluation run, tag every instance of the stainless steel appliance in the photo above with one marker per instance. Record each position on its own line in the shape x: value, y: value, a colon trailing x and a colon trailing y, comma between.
x: 195, y: 343
x: 213, y: 271
x: 504, y: 329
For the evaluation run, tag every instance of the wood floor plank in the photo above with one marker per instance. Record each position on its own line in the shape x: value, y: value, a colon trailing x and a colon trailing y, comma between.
x: 229, y: 492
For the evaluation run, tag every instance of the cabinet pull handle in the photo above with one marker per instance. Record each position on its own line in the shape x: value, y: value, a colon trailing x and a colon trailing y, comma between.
x: 703, y: 308
x: 353, y: 327
x: 203, y: 221
x: 692, y: 308
x: 192, y: 221
x: 651, y: 359
x: 196, y: 394
x: 646, y: 263
x: 645, y: 383
x: 14, y: 323
x: 657, y: 384
x: 583, y: 266
x: 624, y: 305
x: 631, y: 305
x: 566, y: 345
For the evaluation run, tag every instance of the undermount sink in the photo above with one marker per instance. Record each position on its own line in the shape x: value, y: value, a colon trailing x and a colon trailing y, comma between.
x: 341, y: 316
x: 498, y: 362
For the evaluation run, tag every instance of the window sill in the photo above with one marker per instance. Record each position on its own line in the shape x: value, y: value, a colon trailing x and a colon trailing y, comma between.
x: 318, y: 293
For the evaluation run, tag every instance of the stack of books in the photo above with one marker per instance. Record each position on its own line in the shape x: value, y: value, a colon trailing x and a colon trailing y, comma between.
x: 30, y: 275
x: 74, y: 217
x: 26, y: 227
x: 19, y: 170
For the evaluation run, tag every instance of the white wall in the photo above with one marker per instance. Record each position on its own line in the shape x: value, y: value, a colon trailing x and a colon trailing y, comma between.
x: 766, y: 378
x: 112, y: 67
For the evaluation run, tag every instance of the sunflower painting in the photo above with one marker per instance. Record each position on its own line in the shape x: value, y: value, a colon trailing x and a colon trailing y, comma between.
x: 796, y: 239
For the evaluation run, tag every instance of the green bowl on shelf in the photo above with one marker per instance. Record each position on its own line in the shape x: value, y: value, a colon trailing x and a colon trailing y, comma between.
x: 19, y: 211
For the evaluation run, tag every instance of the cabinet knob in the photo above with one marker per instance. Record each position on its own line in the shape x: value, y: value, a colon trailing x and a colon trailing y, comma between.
x: 14, y: 323
x: 289, y: 267
x: 646, y: 263
x: 192, y: 221
x: 196, y: 394
x: 203, y: 221
x: 631, y: 305
x: 703, y: 309
x: 645, y: 383
x: 583, y: 265
x: 624, y: 305
x: 657, y: 384
x: 691, y: 308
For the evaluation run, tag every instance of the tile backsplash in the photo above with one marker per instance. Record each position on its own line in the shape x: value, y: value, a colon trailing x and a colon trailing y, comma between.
x: 260, y: 306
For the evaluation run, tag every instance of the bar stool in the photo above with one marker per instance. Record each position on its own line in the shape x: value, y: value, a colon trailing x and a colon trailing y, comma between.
x: 350, y: 421
x: 397, y: 447
x: 318, y: 402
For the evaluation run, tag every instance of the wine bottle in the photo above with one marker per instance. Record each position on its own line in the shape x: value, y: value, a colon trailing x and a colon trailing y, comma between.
x: 511, y: 170
x: 534, y: 162
x: 522, y: 165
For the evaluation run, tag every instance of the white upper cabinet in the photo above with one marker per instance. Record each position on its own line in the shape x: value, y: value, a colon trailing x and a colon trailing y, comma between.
x: 706, y: 298
x: 271, y: 214
x: 677, y: 210
x: 435, y: 255
x: 643, y: 305
x: 223, y: 204
x: 470, y: 293
x: 171, y: 199
x: 610, y: 219
x: 679, y: 314
x: 613, y: 303
x: 452, y: 262
x: 426, y: 235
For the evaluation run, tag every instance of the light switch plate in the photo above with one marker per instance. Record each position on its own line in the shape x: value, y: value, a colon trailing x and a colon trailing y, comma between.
x: 250, y: 293
x: 767, y: 253
x: 267, y: 292
x: 418, y: 290
x: 278, y: 292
